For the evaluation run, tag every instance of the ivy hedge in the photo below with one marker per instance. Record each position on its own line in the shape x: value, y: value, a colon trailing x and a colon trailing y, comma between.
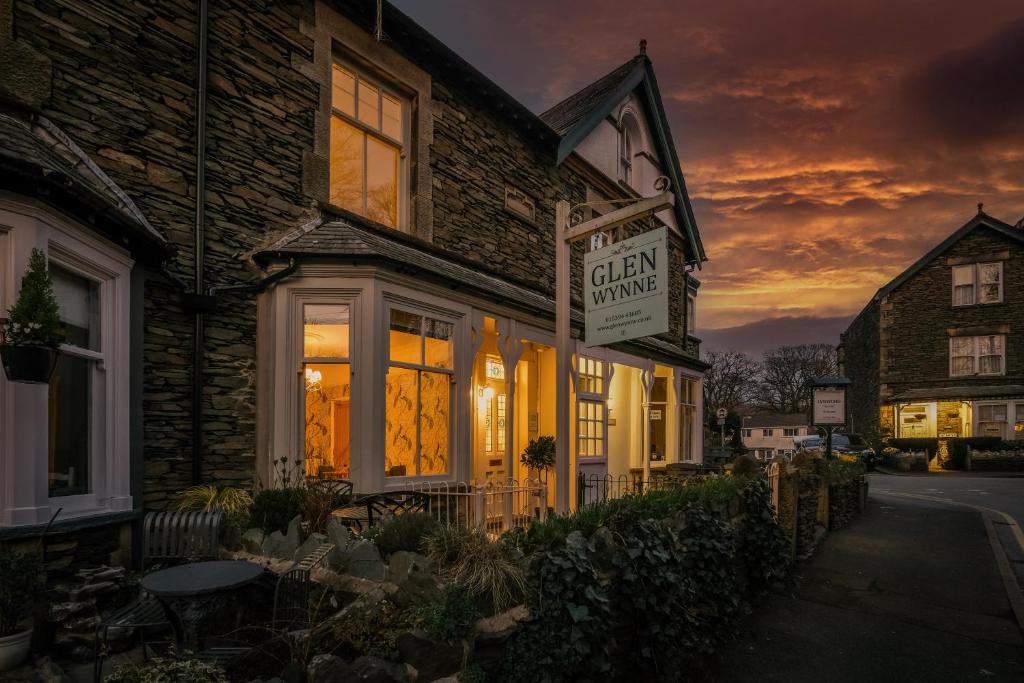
x: 645, y: 587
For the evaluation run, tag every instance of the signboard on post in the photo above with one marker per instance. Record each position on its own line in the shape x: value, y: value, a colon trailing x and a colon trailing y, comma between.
x: 625, y: 287
x: 829, y: 407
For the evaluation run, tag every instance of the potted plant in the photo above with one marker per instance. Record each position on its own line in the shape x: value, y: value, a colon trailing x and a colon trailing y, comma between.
x: 539, y: 457
x: 32, y: 333
x: 20, y: 586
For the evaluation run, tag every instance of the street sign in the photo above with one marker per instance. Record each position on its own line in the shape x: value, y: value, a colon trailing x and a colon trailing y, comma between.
x: 829, y: 407
x: 721, y: 413
x: 625, y: 288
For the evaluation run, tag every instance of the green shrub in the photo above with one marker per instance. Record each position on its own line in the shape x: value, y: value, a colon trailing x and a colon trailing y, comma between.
x: 165, y: 670
x: 452, y: 617
x: 233, y: 502
x: 843, y: 469
x: 34, y: 320
x: 763, y: 544
x: 273, y: 509
x: 405, y: 532
x: 486, y: 569
x: 373, y: 631
x: 21, y: 584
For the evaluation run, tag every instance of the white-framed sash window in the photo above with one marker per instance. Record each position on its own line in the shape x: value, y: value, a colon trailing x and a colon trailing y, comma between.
x: 978, y: 283
x: 981, y: 355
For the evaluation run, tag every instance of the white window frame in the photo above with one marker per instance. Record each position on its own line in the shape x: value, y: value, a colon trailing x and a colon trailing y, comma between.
x: 425, y: 312
x: 748, y: 433
x: 1007, y: 423
x: 975, y: 284
x: 767, y: 433
x: 976, y: 355
x: 404, y: 146
x: 590, y: 369
x: 790, y: 431
x: 687, y: 407
x: 691, y: 314
x: 24, y: 408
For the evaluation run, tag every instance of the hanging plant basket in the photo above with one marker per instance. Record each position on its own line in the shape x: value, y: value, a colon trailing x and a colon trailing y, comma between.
x: 29, y: 364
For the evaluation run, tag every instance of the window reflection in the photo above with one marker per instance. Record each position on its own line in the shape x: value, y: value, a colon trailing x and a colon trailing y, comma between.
x: 325, y: 331
x: 346, y: 165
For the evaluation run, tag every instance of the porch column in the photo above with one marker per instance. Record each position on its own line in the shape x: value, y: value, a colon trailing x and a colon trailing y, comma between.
x: 511, y: 350
x: 646, y: 384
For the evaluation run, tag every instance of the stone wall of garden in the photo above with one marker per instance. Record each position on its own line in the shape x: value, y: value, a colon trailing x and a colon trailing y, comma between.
x: 1006, y: 460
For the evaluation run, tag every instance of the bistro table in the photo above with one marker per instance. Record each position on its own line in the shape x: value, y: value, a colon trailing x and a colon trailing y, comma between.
x: 191, y: 593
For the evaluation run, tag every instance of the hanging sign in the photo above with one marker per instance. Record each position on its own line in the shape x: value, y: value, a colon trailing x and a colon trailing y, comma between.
x: 625, y: 286
x: 829, y: 407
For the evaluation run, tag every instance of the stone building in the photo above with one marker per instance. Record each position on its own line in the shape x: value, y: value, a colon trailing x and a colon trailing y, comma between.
x: 939, y: 351
x: 294, y: 240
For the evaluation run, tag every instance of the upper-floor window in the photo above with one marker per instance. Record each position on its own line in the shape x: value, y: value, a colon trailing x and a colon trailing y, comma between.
x: 978, y: 283
x: 369, y: 147
x: 691, y: 313
x: 984, y: 355
x: 789, y: 431
x: 747, y: 433
x: 628, y: 137
x: 767, y: 432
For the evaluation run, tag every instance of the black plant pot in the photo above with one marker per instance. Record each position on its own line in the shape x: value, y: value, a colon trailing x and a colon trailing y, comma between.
x: 29, y: 364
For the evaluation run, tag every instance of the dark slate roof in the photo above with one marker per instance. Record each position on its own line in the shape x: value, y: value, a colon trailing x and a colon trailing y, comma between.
x: 768, y: 420
x: 961, y: 392
x: 564, y: 116
x: 575, y: 117
x: 37, y: 159
x: 343, y: 240
x: 980, y: 220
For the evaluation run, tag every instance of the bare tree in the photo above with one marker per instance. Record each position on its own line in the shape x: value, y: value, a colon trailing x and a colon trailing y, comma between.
x: 731, y: 379
x: 787, y: 372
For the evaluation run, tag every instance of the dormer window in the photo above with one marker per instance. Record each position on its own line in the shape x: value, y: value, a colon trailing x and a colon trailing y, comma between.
x: 369, y: 147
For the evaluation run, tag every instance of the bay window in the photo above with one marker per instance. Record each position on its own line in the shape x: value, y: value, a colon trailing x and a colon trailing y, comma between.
x: 687, y: 417
x: 327, y: 382
x: 418, y: 396
x: 981, y: 355
x: 369, y: 147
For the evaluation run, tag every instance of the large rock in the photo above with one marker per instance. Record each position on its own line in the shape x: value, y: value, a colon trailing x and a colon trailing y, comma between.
x: 339, y: 535
x: 283, y: 546
x: 432, y: 659
x: 252, y: 541
x: 328, y: 669
x: 363, y: 560
x: 493, y: 633
x: 410, y: 573
x: 375, y: 670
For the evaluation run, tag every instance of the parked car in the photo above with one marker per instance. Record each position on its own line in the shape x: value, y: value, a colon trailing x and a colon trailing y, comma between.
x: 811, y: 442
x: 854, y: 444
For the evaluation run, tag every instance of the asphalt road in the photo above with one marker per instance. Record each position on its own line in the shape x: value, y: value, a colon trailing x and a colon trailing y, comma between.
x: 1003, y: 493
x: 908, y: 592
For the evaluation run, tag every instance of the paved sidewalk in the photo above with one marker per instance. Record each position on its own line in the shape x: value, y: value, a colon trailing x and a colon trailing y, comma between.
x: 909, y: 592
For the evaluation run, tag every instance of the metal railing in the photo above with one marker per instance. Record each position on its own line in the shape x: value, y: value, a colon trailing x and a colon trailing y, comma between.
x: 495, y: 507
x: 596, y: 488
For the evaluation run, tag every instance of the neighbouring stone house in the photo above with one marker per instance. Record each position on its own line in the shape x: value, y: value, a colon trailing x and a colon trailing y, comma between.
x: 769, y: 434
x: 939, y: 351
x: 304, y: 248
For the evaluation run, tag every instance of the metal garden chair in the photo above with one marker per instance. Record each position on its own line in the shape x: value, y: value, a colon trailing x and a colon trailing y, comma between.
x: 168, y: 537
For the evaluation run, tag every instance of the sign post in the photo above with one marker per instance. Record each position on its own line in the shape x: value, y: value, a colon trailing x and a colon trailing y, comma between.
x: 565, y: 235
x: 828, y: 406
x: 721, y: 414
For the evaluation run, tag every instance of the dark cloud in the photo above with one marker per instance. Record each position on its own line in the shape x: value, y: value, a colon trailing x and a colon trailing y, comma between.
x: 975, y: 94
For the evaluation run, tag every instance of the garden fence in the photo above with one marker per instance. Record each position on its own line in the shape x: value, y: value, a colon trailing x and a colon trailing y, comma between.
x: 495, y: 507
x: 597, y: 488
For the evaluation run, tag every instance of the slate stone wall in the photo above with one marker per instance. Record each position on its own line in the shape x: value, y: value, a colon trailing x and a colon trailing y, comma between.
x: 860, y: 349
x: 123, y: 88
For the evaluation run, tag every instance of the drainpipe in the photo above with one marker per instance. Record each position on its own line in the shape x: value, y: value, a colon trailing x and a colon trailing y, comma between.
x: 200, y: 255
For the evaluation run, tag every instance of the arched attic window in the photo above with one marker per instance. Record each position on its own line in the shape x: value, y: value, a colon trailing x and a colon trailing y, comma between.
x: 629, y: 141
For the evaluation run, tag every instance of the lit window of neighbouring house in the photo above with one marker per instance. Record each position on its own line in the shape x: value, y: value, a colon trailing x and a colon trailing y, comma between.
x: 369, y: 142
x: 327, y: 386
x: 984, y: 355
x: 992, y: 420
x: 978, y: 283
x: 418, y: 395
x: 519, y: 202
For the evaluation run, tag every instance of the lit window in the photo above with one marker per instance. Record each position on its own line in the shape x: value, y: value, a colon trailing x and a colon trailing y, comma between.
x: 591, y: 376
x: 520, y: 203
x: 1018, y: 425
x: 992, y: 420
x: 687, y: 418
x: 327, y: 383
x: 980, y: 283
x: 71, y: 416
x: 590, y: 429
x: 418, y: 395
x: 984, y: 355
x: 368, y: 147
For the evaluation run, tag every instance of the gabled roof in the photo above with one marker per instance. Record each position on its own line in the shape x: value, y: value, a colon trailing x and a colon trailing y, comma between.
x: 981, y: 219
x: 770, y: 420
x: 38, y: 159
x: 575, y: 117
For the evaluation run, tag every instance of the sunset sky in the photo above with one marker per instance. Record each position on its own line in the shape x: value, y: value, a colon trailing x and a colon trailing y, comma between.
x: 825, y: 145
